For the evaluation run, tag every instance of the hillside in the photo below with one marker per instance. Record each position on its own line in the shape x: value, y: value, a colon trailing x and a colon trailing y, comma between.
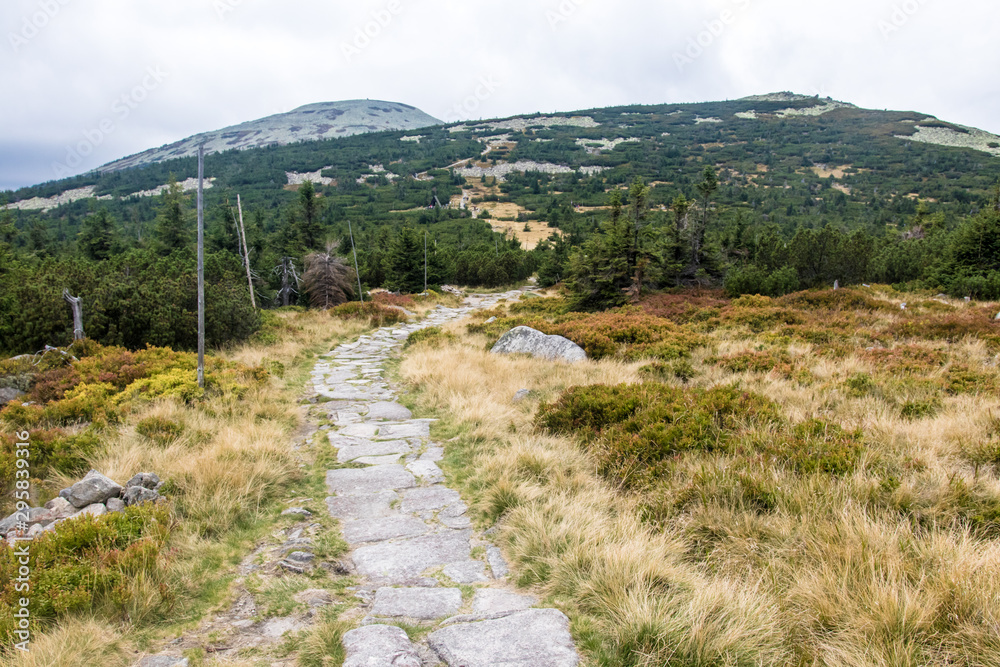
x: 313, y: 122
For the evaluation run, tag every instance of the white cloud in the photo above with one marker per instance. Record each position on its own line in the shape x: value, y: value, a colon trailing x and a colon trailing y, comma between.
x: 266, y: 57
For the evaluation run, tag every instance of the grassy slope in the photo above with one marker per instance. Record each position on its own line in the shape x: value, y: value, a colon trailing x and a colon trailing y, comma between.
x: 233, y: 461
x: 894, y: 563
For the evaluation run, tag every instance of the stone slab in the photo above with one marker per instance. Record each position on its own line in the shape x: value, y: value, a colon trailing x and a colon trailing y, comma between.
x: 368, y: 506
x: 356, y: 482
x: 537, y: 637
x: 413, y: 429
x: 426, y: 470
x: 369, y: 449
x: 389, y: 411
x: 379, y: 646
x: 469, y: 572
x: 377, y: 460
x: 429, y: 498
x: 403, y: 562
x: 380, y: 530
x: 360, y: 430
x: 425, y: 604
x: 496, y: 601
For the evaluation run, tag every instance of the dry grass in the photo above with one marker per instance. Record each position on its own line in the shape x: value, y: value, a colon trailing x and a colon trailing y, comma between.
x: 729, y: 560
x: 76, y: 642
x: 226, y: 461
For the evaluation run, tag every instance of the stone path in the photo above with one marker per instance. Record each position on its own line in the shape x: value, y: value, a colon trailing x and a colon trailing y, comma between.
x: 413, y: 549
x: 415, y: 558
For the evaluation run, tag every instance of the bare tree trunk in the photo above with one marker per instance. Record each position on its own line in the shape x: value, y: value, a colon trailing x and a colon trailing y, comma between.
x: 246, y: 252
x: 77, y: 304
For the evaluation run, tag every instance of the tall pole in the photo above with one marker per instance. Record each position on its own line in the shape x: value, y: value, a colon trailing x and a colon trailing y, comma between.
x: 425, y: 260
x: 356, y: 272
x: 246, y: 251
x: 201, y: 267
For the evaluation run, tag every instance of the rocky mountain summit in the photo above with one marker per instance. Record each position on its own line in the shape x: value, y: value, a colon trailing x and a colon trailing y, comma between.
x: 313, y: 122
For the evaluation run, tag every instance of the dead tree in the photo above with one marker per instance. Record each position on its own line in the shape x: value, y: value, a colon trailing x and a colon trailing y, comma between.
x: 288, y: 273
x: 327, y: 279
x: 76, y: 303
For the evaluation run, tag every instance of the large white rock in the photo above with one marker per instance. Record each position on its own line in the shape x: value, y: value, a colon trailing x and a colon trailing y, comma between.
x: 525, y: 340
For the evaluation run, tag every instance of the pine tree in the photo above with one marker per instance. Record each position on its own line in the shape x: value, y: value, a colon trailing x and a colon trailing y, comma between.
x: 98, y: 237
x: 172, y: 229
x: 310, y: 231
x: 405, y: 270
x: 599, y: 272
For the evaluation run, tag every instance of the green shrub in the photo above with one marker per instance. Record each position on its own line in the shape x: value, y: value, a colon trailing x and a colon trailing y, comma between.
x: 376, y: 314
x: 92, y: 564
x: 431, y: 337
x: 860, y: 384
x: 159, y: 429
x: 814, y: 446
x: 635, y: 429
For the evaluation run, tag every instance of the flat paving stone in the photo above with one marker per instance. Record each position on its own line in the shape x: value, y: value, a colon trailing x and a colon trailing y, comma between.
x: 379, y: 646
x: 377, y: 460
x: 430, y: 498
x: 456, y: 522
x: 408, y: 430
x: 352, y: 452
x: 389, y: 411
x: 427, y: 470
x: 404, y: 561
x: 355, y: 482
x: 380, y: 530
x: 360, y: 431
x: 497, y: 601
x: 537, y: 637
x: 433, y: 454
x: 469, y: 572
x: 367, y: 506
x: 345, y: 395
x: 425, y: 604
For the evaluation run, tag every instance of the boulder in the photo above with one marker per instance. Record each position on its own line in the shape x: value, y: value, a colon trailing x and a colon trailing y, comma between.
x: 137, y: 495
x: 146, y: 480
x: 94, y: 488
x: 525, y: 340
x: 8, y: 394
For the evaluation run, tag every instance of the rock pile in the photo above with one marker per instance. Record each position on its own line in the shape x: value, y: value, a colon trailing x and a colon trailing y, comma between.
x: 94, y: 495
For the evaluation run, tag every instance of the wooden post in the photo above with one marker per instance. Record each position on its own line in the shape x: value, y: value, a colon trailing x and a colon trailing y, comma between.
x: 201, y: 267
x: 246, y: 252
x: 356, y: 271
x: 425, y: 261
x: 77, y: 304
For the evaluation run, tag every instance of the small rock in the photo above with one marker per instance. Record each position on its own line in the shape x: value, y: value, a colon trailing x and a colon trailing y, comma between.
x: 147, y: 480
x: 97, y: 509
x: 522, y: 395
x: 300, y: 512
x: 35, y: 530
x: 497, y: 563
x: 137, y: 495
x: 58, y: 504
x: 490, y: 321
x: 300, y: 557
x: 116, y: 505
x: 94, y: 488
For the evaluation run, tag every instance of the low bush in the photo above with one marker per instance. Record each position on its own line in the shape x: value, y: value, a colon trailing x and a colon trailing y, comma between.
x: 634, y: 430
x: 110, y: 563
x: 377, y: 314
x: 431, y: 336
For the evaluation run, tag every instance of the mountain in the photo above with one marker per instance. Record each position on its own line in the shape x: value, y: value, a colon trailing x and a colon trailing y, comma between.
x: 313, y: 122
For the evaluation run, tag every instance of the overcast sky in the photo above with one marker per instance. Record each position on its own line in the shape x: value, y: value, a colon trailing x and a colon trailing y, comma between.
x: 114, y: 77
